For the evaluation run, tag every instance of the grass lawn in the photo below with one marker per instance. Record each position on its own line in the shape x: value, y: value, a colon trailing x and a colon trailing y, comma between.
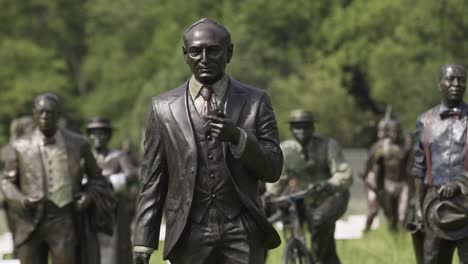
x: 378, y: 246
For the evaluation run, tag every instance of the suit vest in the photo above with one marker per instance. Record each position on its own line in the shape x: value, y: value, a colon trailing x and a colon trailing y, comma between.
x: 213, y: 185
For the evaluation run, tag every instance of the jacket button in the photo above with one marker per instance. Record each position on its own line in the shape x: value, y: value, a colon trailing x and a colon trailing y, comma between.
x: 211, y: 175
x: 210, y: 157
x: 213, y: 195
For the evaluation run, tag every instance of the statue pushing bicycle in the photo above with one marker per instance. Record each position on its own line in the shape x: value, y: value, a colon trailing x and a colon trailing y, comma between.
x: 314, y: 168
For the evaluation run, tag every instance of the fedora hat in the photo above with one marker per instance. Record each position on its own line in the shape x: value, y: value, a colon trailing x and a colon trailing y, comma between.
x: 447, y: 218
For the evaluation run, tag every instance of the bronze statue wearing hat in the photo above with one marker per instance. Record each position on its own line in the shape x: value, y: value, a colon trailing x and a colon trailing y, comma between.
x: 440, y: 159
x: 118, y: 169
x: 54, y: 213
x: 208, y: 144
x: 313, y: 159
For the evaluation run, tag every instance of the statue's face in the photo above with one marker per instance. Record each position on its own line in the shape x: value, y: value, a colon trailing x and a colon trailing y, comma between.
x: 394, y: 133
x: 100, y: 137
x: 46, y: 115
x: 302, y: 132
x: 453, y: 84
x: 207, y: 53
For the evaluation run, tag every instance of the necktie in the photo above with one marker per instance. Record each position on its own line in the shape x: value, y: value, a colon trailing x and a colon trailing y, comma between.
x: 206, y: 92
x: 455, y: 112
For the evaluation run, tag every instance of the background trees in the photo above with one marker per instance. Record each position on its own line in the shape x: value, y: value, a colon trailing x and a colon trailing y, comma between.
x: 344, y: 59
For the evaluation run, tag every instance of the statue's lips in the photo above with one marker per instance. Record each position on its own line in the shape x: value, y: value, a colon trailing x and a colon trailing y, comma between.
x: 205, y: 69
x: 456, y: 91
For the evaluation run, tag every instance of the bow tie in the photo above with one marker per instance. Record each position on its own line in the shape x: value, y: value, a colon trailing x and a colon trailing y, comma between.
x: 455, y: 112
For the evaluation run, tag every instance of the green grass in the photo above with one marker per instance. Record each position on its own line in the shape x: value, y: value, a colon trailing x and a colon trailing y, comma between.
x: 378, y: 246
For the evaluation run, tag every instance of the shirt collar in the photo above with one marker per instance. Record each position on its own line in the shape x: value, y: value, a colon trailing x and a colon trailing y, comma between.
x: 444, y: 107
x: 219, y: 88
x: 58, y: 137
x: 462, y: 107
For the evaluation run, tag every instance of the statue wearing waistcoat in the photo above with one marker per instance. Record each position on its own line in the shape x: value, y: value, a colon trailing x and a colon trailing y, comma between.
x: 208, y: 144
x: 43, y: 187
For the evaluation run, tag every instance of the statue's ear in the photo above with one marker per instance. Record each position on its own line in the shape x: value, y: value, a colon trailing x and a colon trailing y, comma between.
x: 184, y: 51
x: 230, y: 51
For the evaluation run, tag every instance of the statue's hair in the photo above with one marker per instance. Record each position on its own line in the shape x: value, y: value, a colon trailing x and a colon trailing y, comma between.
x: 47, y: 96
x: 227, y: 35
x: 457, y: 67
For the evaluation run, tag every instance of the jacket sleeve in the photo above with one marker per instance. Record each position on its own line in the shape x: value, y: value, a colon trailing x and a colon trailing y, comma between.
x: 13, y: 195
x: 419, y: 163
x: 341, y: 174
x: 154, y: 180
x: 128, y: 169
x: 262, y: 154
x: 91, y: 168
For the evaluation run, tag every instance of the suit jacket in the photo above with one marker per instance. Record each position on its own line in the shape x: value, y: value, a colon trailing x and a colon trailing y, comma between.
x: 169, y: 165
x: 25, y: 176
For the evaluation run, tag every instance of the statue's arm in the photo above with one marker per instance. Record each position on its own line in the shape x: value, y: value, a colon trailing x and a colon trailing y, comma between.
x: 13, y: 195
x: 153, y: 181
x: 341, y: 174
x: 262, y: 153
x: 128, y: 169
x: 418, y: 170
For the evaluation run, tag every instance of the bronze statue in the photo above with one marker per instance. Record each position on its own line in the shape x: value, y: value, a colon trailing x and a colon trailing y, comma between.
x: 53, y: 212
x: 118, y: 169
x: 207, y: 145
x: 18, y: 128
x: 313, y: 159
x: 440, y: 159
x: 373, y: 188
x: 390, y: 166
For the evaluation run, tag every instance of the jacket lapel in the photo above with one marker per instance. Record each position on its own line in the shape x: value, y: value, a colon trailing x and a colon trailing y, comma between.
x: 179, y: 109
x: 36, y: 158
x: 235, y: 101
x: 73, y: 160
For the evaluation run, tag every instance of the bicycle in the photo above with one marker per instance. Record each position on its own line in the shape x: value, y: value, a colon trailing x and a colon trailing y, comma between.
x: 296, y: 251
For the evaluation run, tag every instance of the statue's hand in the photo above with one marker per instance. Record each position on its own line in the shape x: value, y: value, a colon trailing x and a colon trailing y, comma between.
x: 31, y: 203
x: 223, y: 129
x: 449, y: 190
x: 141, y: 258
x: 82, y: 201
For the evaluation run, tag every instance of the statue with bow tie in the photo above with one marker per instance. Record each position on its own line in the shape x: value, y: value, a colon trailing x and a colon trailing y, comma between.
x: 440, y: 165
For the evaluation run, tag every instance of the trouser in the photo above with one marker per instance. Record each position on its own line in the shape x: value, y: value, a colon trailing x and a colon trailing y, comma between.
x: 440, y: 251
x: 116, y: 248
x: 418, y: 246
x: 321, y: 222
x: 218, y: 239
x: 55, y: 233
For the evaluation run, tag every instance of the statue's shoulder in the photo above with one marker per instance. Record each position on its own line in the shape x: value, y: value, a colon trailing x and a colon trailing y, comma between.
x: 253, y: 92
x: 24, y: 142
x: 424, y: 116
x: 168, y: 95
x: 73, y: 137
x: 115, y: 154
x: 321, y: 139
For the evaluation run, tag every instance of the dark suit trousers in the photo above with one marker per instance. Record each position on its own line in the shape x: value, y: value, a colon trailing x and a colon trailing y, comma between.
x: 321, y: 222
x: 55, y: 233
x: 440, y: 251
x: 218, y: 239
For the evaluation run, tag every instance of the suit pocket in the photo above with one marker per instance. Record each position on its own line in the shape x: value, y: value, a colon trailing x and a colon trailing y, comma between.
x: 172, y: 204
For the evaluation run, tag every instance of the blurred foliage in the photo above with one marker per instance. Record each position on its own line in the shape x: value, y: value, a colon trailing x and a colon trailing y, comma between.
x: 344, y: 59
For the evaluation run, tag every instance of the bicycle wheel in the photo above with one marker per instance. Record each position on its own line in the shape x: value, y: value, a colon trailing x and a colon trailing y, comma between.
x: 296, y: 252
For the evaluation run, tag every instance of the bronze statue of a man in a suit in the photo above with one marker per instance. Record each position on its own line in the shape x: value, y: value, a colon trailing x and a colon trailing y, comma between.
x: 43, y: 187
x: 207, y: 145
